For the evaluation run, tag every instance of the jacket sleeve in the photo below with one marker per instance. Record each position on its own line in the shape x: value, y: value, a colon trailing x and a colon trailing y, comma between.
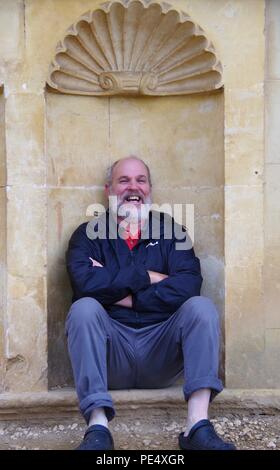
x: 184, y: 281
x: 99, y: 282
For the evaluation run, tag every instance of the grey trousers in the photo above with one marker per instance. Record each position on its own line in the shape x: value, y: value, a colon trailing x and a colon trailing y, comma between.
x: 106, y: 354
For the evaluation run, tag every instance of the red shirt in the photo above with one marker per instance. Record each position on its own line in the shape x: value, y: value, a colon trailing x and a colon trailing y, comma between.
x: 132, y: 240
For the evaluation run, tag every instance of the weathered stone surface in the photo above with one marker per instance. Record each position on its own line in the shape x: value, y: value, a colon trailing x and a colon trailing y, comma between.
x: 271, y: 273
x: 273, y: 39
x: 244, y: 322
x: 244, y: 136
x: 77, y: 140
x: 213, y: 272
x: 226, y: 24
x: 25, y: 128
x: 12, y: 43
x: 67, y: 209
x: 208, y: 211
x: 3, y: 268
x: 26, y: 231
x: 244, y: 327
x: 272, y: 338
x: 272, y: 116
x: 244, y: 225
x: 25, y: 318
x: 271, y: 268
x: 46, y: 22
x: 272, y: 246
x: 53, y: 402
x: 11, y: 31
x: 3, y: 237
x: 272, y: 209
x: 2, y: 142
x: 170, y: 133
x: 26, y: 367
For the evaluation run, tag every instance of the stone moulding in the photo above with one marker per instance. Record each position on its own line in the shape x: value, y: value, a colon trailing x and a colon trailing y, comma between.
x: 135, y: 47
x: 65, y: 401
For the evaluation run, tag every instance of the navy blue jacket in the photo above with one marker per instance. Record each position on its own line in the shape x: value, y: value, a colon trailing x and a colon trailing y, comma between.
x: 124, y: 273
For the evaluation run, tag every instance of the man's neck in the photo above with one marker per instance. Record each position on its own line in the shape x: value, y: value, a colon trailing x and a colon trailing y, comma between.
x: 131, y: 228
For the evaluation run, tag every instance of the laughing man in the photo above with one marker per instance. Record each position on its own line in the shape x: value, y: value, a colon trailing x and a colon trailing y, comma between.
x: 137, y: 318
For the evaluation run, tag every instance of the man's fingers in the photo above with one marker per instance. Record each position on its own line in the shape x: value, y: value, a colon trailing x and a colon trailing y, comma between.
x: 95, y: 263
x: 156, y: 277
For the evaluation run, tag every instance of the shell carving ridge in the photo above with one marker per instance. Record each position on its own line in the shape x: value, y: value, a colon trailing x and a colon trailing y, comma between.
x: 135, y: 47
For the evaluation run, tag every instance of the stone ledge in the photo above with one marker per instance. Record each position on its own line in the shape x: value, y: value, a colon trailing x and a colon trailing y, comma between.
x: 64, y: 402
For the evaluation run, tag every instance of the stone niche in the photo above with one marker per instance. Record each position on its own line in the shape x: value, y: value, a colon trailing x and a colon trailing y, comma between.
x: 175, y: 128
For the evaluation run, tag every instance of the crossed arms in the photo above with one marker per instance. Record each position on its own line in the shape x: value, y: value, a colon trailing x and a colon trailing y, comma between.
x: 127, y: 301
x: 133, y: 286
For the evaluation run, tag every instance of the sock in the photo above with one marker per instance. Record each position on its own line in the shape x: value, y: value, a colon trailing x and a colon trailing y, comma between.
x: 98, y: 416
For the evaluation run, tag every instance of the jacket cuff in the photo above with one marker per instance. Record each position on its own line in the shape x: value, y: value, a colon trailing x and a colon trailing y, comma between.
x: 134, y: 277
x: 140, y: 299
x: 140, y: 279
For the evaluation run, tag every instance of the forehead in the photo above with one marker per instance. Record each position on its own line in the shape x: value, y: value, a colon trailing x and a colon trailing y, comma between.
x: 129, y: 167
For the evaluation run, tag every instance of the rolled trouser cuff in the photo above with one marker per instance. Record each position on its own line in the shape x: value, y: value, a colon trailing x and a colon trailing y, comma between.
x: 97, y: 400
x: 213, y: 383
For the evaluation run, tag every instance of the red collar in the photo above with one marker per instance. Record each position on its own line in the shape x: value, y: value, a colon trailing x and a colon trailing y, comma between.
x: 132, y: 240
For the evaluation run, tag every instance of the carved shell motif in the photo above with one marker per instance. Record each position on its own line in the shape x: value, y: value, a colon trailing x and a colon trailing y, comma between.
x: 135, y: 47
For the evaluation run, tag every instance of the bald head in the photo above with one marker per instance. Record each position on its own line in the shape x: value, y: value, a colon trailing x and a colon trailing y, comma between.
x: 129, y: 180
x: 116, y: 164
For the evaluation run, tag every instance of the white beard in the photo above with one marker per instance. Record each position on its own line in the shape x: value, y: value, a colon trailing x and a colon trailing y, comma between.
x: 134, y: 216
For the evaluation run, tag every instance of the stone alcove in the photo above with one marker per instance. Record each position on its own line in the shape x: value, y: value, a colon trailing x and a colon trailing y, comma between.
x: 161, y: 99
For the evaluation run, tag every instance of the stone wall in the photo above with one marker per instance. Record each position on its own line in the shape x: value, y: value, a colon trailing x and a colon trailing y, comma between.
x: 272, y: 195
x: 202, y: 149
x: 2, y: 235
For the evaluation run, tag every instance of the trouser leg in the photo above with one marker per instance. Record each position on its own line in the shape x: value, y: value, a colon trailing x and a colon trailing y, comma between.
x: 200, y: 339
x: 188, y: 340
x: 97, y: 343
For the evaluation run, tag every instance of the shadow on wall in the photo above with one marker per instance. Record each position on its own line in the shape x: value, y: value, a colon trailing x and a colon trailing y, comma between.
x: 59, y: 301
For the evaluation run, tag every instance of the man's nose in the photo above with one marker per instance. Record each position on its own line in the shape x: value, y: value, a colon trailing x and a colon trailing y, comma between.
x: 133, y: 185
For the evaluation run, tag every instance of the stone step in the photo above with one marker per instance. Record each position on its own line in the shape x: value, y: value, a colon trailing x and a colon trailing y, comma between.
x: 64, y: 401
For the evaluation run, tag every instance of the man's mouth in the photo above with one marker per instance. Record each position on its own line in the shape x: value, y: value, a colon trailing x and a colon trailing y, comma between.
x: 133, y: 199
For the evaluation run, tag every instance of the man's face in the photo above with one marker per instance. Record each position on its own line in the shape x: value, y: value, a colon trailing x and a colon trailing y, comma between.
x: 130, y: 183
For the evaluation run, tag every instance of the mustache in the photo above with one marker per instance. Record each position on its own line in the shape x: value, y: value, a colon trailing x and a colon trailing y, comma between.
x: 121, y: 208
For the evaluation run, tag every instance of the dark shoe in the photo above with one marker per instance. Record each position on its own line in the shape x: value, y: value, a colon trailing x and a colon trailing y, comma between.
x: 203, y: 436
x: 97, y: 437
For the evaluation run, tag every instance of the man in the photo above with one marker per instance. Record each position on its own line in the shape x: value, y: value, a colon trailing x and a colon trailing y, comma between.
x: 138, y: 320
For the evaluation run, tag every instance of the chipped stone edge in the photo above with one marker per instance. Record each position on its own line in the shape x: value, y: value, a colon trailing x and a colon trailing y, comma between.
x: 64, y: 402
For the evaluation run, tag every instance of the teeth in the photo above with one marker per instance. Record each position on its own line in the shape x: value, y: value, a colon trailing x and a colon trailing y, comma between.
x: 133, y: 198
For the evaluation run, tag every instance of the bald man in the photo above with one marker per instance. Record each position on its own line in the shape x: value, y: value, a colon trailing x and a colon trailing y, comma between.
x: 137, y: 318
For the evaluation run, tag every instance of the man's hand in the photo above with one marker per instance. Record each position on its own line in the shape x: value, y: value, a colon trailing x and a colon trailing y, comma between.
x: 126, y: 302
x: 156, y: 277
x: 96, y: 263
